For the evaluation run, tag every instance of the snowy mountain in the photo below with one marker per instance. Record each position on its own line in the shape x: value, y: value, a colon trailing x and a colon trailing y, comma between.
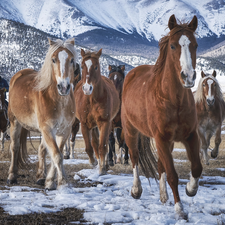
x: 116, y: 25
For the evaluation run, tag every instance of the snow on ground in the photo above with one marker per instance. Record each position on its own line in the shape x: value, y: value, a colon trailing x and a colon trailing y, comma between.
x: 111, y: 202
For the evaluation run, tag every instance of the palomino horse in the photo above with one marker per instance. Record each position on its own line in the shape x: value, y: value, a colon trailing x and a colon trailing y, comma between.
x: 157, y: 102
x: 210, y: 111
x: 97, y: 104
x: 116, y: 75
x: 48, y: 106
x: 3, y: 118
x: 70, y: 143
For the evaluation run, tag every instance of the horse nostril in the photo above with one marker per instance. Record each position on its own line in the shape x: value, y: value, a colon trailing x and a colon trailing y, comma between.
x: 183, y: 75
x: 68, y: 86
x: 58, y: 85
x: 194, y: 76
x: 83, y: 88
x: 91, y: 88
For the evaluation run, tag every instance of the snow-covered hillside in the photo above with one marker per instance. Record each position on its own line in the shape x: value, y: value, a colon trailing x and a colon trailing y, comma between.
x: 147, y: 18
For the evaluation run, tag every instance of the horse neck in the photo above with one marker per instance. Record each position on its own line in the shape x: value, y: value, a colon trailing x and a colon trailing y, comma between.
x: 170, y: 86
x: 98, y: 90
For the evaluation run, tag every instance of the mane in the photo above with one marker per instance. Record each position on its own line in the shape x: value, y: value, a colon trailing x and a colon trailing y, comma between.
x: 198, y: 96
x: 163, y: 44
x: 44, y: 76
x: 90, y: 55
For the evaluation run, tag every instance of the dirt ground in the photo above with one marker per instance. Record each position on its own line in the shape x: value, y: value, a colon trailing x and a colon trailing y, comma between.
x: 27, y: 177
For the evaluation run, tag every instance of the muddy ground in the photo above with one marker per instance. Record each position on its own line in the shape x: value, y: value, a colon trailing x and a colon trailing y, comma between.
x: 27, y: 177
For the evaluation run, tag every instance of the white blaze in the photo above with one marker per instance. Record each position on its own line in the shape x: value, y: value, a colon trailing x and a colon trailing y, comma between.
x: 62, y: 59
x: 185, y: 56
x: 88, y: 64
x: 210, y: 82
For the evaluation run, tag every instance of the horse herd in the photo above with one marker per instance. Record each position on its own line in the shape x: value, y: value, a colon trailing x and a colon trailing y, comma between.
x: 152, y: 101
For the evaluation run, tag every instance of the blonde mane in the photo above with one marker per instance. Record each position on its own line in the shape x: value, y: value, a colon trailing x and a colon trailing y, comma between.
x: 198, y: 96
x: 44, y: 76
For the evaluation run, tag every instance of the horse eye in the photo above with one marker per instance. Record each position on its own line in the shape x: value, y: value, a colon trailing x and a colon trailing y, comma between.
x: 96, y: 67
x: 203, y: 85
x: 172, y: 47
x: 53, y: 60
x: 196, y: 46
x: 72, y: 60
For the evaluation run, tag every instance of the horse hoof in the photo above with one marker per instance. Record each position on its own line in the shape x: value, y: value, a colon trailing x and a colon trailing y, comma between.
x: 126, y: 162
x: 41, y: 182
x: 182, y: 216
x: 136, y: 192
x: 66, y: 156
x: 11, y: 181
x: 191, y: 194
x: 111, y: 163
x: 135, y: 196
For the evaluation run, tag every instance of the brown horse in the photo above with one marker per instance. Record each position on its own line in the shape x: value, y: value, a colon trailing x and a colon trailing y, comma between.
x: 48, y: 106
x: 157, y: 102
x: 3, y: 118
x: 97, y: 104
x: 116, y: 75
x: 70, y: 143
x: 210, y: 111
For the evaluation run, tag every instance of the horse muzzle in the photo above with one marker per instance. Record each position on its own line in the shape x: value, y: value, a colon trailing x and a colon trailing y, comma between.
x: 63, y: 89
x: 188, y: 81
x: 87, y: 89
x: 210, y: 102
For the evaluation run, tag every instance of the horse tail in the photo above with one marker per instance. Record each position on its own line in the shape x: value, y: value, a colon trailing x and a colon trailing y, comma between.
x: 147, y: 157
x: 23, y: 155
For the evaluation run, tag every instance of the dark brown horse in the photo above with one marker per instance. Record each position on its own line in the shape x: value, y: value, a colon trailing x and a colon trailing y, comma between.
x: 211, y: 113
x: 97, y: 104
x: 48, y: 106
x: 3, y: 118
x: 157, y: 102
x: 116, y: 75
x: 70, y: 144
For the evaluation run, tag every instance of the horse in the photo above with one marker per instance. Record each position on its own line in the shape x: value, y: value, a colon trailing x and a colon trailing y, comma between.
x: 48, y: 107
x: 157, y: 102
x: 116, y: 75
x: 210, y: 108
x: 97, y: 103
x: 70, y: 143
x: 3, y: 118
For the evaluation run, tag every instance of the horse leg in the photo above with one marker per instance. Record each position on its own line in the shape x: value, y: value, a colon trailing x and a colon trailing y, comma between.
x: 66, y: 150
x: 204, y: 146
x: 126, y: 156
x: 215, y: 151
x: 95, y: 142
x: 15, y: 130
x: 111, y: 148
x: 75, y: 129
x: 120, y: 155
x: 88, y: 147
x: 131, y: 138
x: 41, y: 173
x: 56, y: 158
x: 165, y: 156
x: 3, y: 134
x: 162, y: 180
x: 104, y: 129
x: 192, y: 147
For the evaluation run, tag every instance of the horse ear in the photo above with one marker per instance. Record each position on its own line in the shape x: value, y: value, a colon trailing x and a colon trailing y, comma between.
x: 99, y: 52
x: 172, y: 22
x: 72, y: 41
x: 193, y: 24
x: 51, y: 42
x: 122, y: 67
x: 82, y: 52
x: 110, y: 67
x: 214, y: 73
x: 202, y: 74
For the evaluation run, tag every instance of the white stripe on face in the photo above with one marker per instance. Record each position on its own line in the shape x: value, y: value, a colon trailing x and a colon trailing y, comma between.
x: 210, y: 82
x: 62, y: 59
x: 88, y: 64
x: 185, y: 56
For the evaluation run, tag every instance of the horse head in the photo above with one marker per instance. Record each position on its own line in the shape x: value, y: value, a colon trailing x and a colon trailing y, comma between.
x: 182, y: 48
x: 209, y: 87
x: 90, y: 70
x: 116, y: 75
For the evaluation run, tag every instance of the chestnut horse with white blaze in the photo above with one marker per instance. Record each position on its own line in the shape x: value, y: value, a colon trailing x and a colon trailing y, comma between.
x: 48, y: 106
x: 97, y: 104
x: 157, y: 102
x: 210, y: 111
